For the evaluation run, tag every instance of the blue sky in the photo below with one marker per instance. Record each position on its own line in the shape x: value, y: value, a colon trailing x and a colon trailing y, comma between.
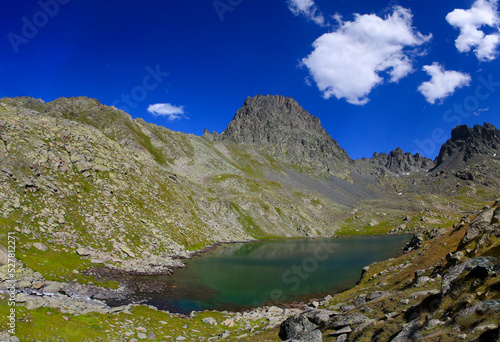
x: 378, y: 74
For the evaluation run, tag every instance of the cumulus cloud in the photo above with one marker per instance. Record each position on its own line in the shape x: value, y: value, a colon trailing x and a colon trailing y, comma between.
x: 349, y: 62
x: 166, y: 109
x: 483, y: 13
x: 308, y: 9
x: 443, y: 83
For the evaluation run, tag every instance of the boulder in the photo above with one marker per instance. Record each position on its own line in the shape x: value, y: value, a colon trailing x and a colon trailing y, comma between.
x: 345, y: 320
x: 477, y: 226
x: 209, y: 321
x: 483, y: 265
x: 408, y: 333
x: 479, y: 309
x: 83, y: 252
x: 228, y: 323
x: 320, y: 317
x: 341, y: 331
x: 295, y: 326
x: 52, y: 287
x: 415, y: 243
x: 342, y: 338
x: 377, y: 295
x: 40, y: 246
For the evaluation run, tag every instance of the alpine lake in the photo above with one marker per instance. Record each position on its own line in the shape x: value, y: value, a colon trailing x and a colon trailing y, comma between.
x: 242, y: 276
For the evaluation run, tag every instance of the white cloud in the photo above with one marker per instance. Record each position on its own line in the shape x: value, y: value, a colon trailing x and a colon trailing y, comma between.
x: 483, y: 13
x: 349, y: 62
x: 166, y: 109
x: 443, y: 83
x: 308, y: 9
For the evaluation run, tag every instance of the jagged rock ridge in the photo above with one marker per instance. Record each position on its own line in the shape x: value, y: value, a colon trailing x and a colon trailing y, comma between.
x: 398, y: 161
x: 468, y: 143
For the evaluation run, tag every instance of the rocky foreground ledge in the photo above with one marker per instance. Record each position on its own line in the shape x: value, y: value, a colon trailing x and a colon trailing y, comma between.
x: 449, y: 290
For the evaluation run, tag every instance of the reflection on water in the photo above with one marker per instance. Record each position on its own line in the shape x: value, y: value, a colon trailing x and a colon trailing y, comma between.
x: 240, y: 276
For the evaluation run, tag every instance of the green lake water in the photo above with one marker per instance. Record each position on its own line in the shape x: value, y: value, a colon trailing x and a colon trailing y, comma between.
x: 245, y: 275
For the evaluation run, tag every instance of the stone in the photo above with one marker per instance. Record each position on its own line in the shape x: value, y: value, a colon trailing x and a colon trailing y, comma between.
x: 361, y: 300
x: 432, y: 323
x: 347, y: 308
x: 341, y: 331
x: 228, y: 323
x: 415, y: 243
x: 152, y: 336
x: 52, y: 287
x: 349, y: 319
x: 142, y: 336
x: 421, y: 281
x: 209, y: 321
x: 295, y: 326
x: 454, y: 258
x: 342, y: 338
x: 40, y: 246
x: 320, y: 317
x: 126, y: 250
x: 314, y: 304
x: 477, y: 226
x: 275, y: 310
x: 408, y: 333
x: 83, y: 252
x: 224, y: 334
x: 377, y: 295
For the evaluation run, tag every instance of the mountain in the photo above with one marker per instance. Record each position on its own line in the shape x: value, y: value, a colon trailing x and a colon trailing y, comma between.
x: 467, y: 144
x: 95, y: 197
x: 282, y: 128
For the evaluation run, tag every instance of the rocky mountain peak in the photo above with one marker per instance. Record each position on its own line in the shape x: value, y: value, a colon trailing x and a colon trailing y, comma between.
x: 260, y: 115
x: 468, y: 143
x: 288, y: 132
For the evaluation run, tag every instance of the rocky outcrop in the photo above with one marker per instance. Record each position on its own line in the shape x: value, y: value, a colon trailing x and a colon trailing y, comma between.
x: 467, y: 144
x: 398, y: 161
x: 482, y: 267
x: 281, y: 127
x: 482, y: 228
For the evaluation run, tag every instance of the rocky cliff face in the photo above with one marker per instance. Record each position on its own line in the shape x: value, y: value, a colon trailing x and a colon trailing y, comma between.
x: 280, y: 126
x: 467, y: 144
x: 399, y: 162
